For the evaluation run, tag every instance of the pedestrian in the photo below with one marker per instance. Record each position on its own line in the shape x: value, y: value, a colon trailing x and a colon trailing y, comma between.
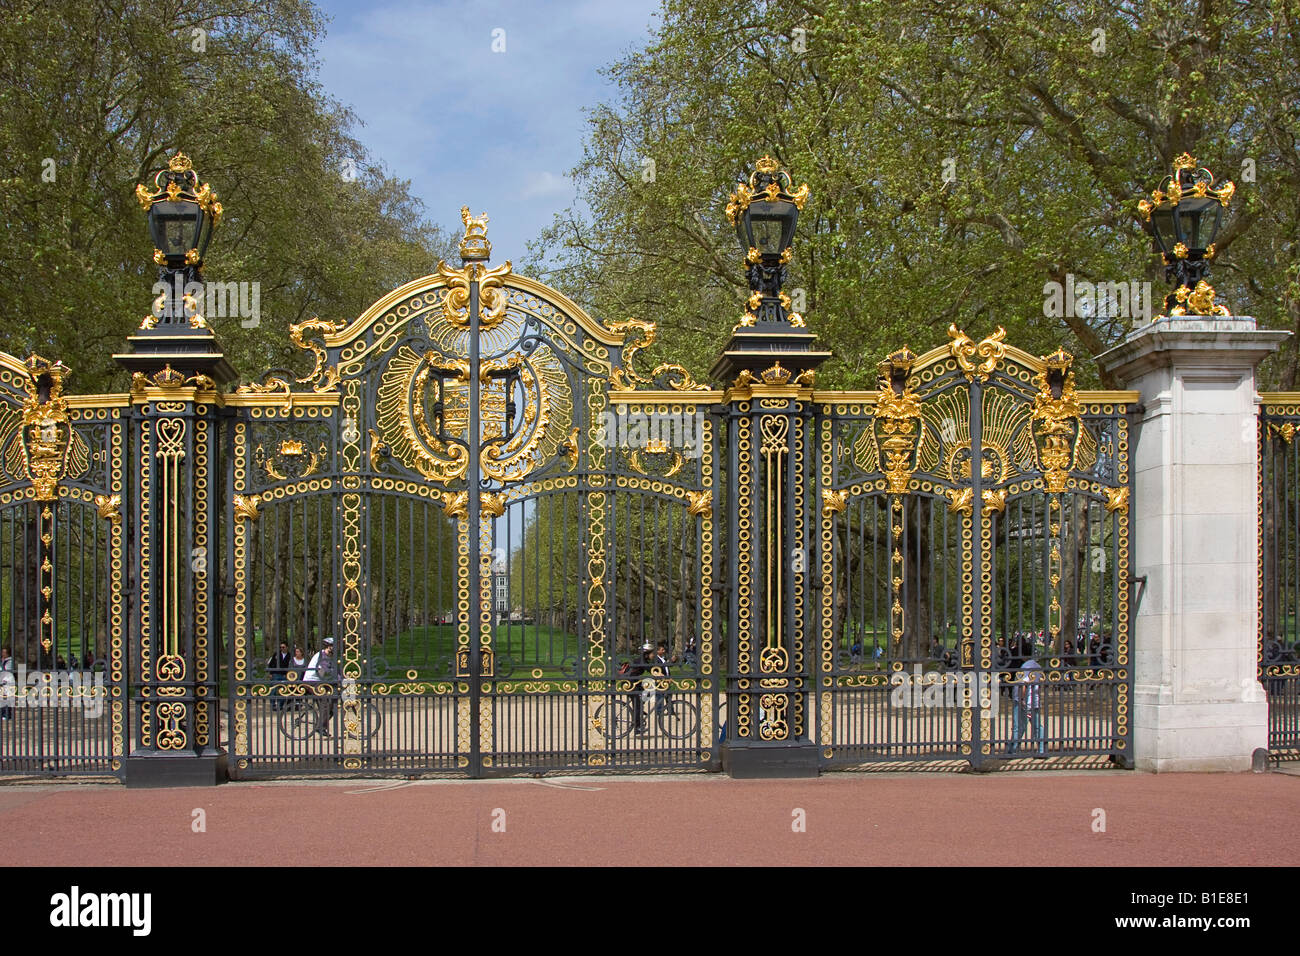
x: 634, y: 670
x: 661, y: 662
x: 1028, y: 707
x: 278, y: 668
x: 321, y: 670
x: 8, y: 683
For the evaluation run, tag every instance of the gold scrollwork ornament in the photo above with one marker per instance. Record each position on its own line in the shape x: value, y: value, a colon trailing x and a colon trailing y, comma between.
x: 109, y: 507
x: 626, y: 378
x: 455, y: 504
x: 321, y: 377
x: 977, y: 361
x: 246, y: 507
x: 701, y: 503
x: 834, y: 502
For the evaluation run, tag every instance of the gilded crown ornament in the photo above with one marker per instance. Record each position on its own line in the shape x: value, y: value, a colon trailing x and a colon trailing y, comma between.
x: 768, y: 182
x: 180, y: 183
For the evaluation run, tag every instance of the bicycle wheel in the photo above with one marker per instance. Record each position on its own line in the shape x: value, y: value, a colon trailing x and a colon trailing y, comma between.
x: 679, y: 719
x: 614, y: 719
x: 296, y: 721
x: 374, y: 720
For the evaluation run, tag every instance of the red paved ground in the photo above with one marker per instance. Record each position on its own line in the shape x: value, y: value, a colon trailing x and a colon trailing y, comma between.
x: 914, y: 819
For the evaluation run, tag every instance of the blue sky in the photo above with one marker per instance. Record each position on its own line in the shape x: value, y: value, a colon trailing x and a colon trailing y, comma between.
x: 497, y: 131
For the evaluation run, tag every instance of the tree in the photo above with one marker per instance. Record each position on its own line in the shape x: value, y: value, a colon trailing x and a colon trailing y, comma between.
x: 94, y: 98
x: 960, y: 157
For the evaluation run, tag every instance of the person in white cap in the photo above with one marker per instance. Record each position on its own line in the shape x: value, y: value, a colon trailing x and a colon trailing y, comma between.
x: 321, y: 668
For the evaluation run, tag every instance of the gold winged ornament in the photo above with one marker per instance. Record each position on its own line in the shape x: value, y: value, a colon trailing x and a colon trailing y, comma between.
x: 40, y: 445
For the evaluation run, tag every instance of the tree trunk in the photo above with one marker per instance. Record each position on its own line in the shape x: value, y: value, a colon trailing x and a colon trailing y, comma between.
x: 1074, y: 557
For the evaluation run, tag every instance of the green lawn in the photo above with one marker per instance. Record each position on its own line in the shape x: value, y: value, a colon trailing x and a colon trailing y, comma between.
x: 430, y: 652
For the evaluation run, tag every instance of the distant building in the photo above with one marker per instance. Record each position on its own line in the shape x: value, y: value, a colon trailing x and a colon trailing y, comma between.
x: 500, y: 595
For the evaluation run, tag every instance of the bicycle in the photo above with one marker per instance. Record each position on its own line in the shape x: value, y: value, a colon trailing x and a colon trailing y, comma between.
x: 301, y: 718
x: 675, y: 717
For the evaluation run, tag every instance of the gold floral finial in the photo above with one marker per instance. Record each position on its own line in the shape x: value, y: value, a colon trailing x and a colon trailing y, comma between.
x: 180, y: 163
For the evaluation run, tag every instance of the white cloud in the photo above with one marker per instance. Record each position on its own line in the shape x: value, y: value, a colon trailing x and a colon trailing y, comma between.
x: 541, y: 183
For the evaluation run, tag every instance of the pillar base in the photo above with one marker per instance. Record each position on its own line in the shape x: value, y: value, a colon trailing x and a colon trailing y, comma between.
x: 1200, y: 738
x: 150, y: 772
x: 768, y: 761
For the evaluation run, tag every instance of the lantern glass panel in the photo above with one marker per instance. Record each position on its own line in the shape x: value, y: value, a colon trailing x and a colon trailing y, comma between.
x: 1162, y: 222
x: 767, y: 235
x: 175, y: 227
x: 772, y: 225
x: 1198, y: 221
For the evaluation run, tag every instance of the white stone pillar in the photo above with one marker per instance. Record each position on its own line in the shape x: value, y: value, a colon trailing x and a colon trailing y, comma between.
x: 1197, y: 701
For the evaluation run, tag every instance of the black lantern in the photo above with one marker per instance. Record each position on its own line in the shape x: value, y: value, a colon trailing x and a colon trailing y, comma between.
x: 1183, y: 217
x: 765, y: 210
x: 182, y: 215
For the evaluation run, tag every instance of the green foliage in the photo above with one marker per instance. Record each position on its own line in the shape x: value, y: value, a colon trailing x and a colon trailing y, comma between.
x: 1051, y: 140
x: 650, y: 567
x: 102, y: 93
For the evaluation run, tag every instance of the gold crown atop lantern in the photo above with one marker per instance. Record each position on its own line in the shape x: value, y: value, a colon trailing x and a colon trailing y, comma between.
x: 180, y: 183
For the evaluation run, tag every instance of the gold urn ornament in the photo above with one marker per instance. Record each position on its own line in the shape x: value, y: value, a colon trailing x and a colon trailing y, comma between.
x: 897, y: 427
x: 46, y: 436
x: 1055, y: 420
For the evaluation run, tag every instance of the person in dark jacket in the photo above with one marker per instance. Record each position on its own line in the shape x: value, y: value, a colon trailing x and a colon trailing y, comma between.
x: 278, y: 666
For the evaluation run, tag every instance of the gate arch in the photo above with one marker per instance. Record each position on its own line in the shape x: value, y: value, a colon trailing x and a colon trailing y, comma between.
x: 451, y: 660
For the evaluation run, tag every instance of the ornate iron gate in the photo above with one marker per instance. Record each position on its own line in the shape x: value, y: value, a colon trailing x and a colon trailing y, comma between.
x: 1279, y: 571
x: 974, y: 516
x: 62, y: 567
x: 527, y: 554
x: 490, y: 511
